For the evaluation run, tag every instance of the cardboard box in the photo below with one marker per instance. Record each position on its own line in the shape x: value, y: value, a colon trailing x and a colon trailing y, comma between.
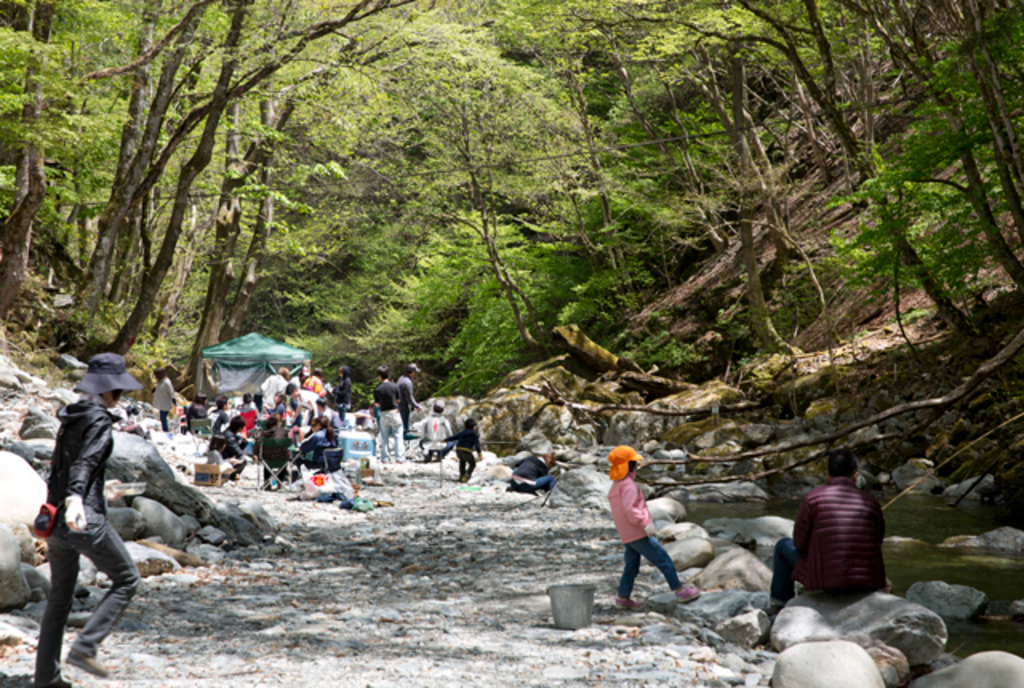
x: 208, y: 474
x: 367, y: 474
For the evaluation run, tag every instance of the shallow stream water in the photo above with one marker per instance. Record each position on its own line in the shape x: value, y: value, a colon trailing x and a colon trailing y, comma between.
x: 930, y: 520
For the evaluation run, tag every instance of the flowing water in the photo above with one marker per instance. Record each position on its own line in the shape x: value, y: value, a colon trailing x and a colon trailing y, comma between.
x: 928, y: 519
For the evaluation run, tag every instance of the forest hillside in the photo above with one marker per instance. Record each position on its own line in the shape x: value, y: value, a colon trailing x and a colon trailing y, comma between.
x: 697, y: 186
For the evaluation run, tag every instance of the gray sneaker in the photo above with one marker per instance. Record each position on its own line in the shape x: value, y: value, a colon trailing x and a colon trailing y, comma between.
x: 90, y: 664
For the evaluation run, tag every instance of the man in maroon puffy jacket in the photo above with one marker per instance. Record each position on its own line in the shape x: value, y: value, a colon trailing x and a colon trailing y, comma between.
x: 837, y: 540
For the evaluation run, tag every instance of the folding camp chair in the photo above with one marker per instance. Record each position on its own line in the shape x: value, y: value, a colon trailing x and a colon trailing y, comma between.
x: 201, y: 428
x: 250, y: 419
x: 274, y: 466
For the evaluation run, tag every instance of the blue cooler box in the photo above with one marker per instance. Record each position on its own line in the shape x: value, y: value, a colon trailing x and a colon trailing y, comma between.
x: 356, y: 444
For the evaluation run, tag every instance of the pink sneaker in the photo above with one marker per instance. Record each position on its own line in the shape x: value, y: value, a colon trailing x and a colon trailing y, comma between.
x: 626, y: 603
x: 687, y: 594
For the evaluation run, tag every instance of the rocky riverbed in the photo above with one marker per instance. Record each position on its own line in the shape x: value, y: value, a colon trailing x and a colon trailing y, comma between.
x: 446, y: 587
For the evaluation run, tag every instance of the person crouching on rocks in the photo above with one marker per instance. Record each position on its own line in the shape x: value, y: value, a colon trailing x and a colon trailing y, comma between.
x: 76, y: 488
x: 636, y: 528
x: 531, y: 474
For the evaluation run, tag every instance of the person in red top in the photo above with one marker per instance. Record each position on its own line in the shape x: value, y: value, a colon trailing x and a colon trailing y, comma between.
x: 837, y: 539
x: 636, y: 528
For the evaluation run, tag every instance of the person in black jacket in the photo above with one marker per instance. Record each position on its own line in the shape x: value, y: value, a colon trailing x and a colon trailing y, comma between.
x: 466, y: 442
x: 531, y: 474
x: 220, y: 416
x: 196, y: 410
x: 235, y: 444
x: 76, y: 488
x: 343, y: 392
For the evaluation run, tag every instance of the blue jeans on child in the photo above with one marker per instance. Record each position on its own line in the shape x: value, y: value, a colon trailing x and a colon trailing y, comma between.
x: 651, y: 550
x: 163, y: 420
x: 783, y: 562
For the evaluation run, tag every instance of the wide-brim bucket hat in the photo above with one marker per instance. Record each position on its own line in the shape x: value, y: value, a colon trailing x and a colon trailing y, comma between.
x: 107, y: 372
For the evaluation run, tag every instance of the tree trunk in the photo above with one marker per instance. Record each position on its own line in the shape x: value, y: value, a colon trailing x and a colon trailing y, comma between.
x: 112, y: 218
x: 30, y: 176
x: 227, y: 224
x: 760, y: 317
x: 190, y: 170
x: 261, y: 232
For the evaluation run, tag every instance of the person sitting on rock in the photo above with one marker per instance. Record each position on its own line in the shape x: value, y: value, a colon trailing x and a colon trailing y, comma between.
x: 531, y: 475
x: 837, y: 539
x: 636, y: 528
x: 434, y: 429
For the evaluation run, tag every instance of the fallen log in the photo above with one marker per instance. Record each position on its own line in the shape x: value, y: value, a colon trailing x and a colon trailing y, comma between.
x: 654, y: 385
x: 546, y: 389
x: 572, y: 340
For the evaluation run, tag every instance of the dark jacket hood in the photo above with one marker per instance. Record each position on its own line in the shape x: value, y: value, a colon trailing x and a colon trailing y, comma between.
x: 81, y: 410
x: 348, y: 372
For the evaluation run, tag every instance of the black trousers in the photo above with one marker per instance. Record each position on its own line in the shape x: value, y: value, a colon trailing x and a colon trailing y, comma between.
x: 467, y: 462
x: 100, y: 543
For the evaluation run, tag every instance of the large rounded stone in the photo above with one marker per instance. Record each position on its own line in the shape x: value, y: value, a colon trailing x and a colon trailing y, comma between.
x: 766, y: 530
x: 150, y: 561
x: 161, y: 522
x: 136, y: 460
x: 259, y: 517
x: 38, y: 583
x: 39, y: 425
x: 712, y: 608
x: 908, y: 474
x: 694, y: 552
x: 722, y: 492
x: 748, y: 630
x: 130, y: 524
x: 892, y: 665
x: 14, y: 590
x: 681, y: 531
x: 22, y: 491
x: 1004, y: 539
x: 666, y: 509
x: 982, y: 670
x: 736, y: 569
x: 956, y: 602
x: 836, y: 664
x: 917, y: 632
x: 26, y: 543
x: 581, y: 488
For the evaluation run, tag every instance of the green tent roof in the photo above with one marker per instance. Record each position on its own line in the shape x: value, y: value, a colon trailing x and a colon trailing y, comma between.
x: 255, y: 347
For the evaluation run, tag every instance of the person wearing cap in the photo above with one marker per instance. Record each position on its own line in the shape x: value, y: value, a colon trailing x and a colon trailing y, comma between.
x: 406, y: 400
x: 386, y: 400
x: 76, y: 487
x: 636, y: 528
x: 531, y: 475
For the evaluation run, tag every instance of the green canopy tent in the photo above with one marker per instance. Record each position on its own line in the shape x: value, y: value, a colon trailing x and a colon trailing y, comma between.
x: 241, y: 365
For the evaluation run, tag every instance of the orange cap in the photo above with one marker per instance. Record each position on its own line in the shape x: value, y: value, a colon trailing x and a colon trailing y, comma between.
x: 620, y: 458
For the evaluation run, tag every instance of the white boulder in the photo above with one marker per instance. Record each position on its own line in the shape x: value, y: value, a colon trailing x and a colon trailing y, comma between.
x: 835, y: 664
x: 22, y: 491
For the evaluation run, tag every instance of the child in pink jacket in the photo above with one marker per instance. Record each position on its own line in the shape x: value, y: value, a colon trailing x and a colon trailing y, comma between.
x: 636, y: 528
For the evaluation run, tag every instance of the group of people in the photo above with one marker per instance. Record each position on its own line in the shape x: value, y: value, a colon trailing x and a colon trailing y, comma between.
x: 835, y: 548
